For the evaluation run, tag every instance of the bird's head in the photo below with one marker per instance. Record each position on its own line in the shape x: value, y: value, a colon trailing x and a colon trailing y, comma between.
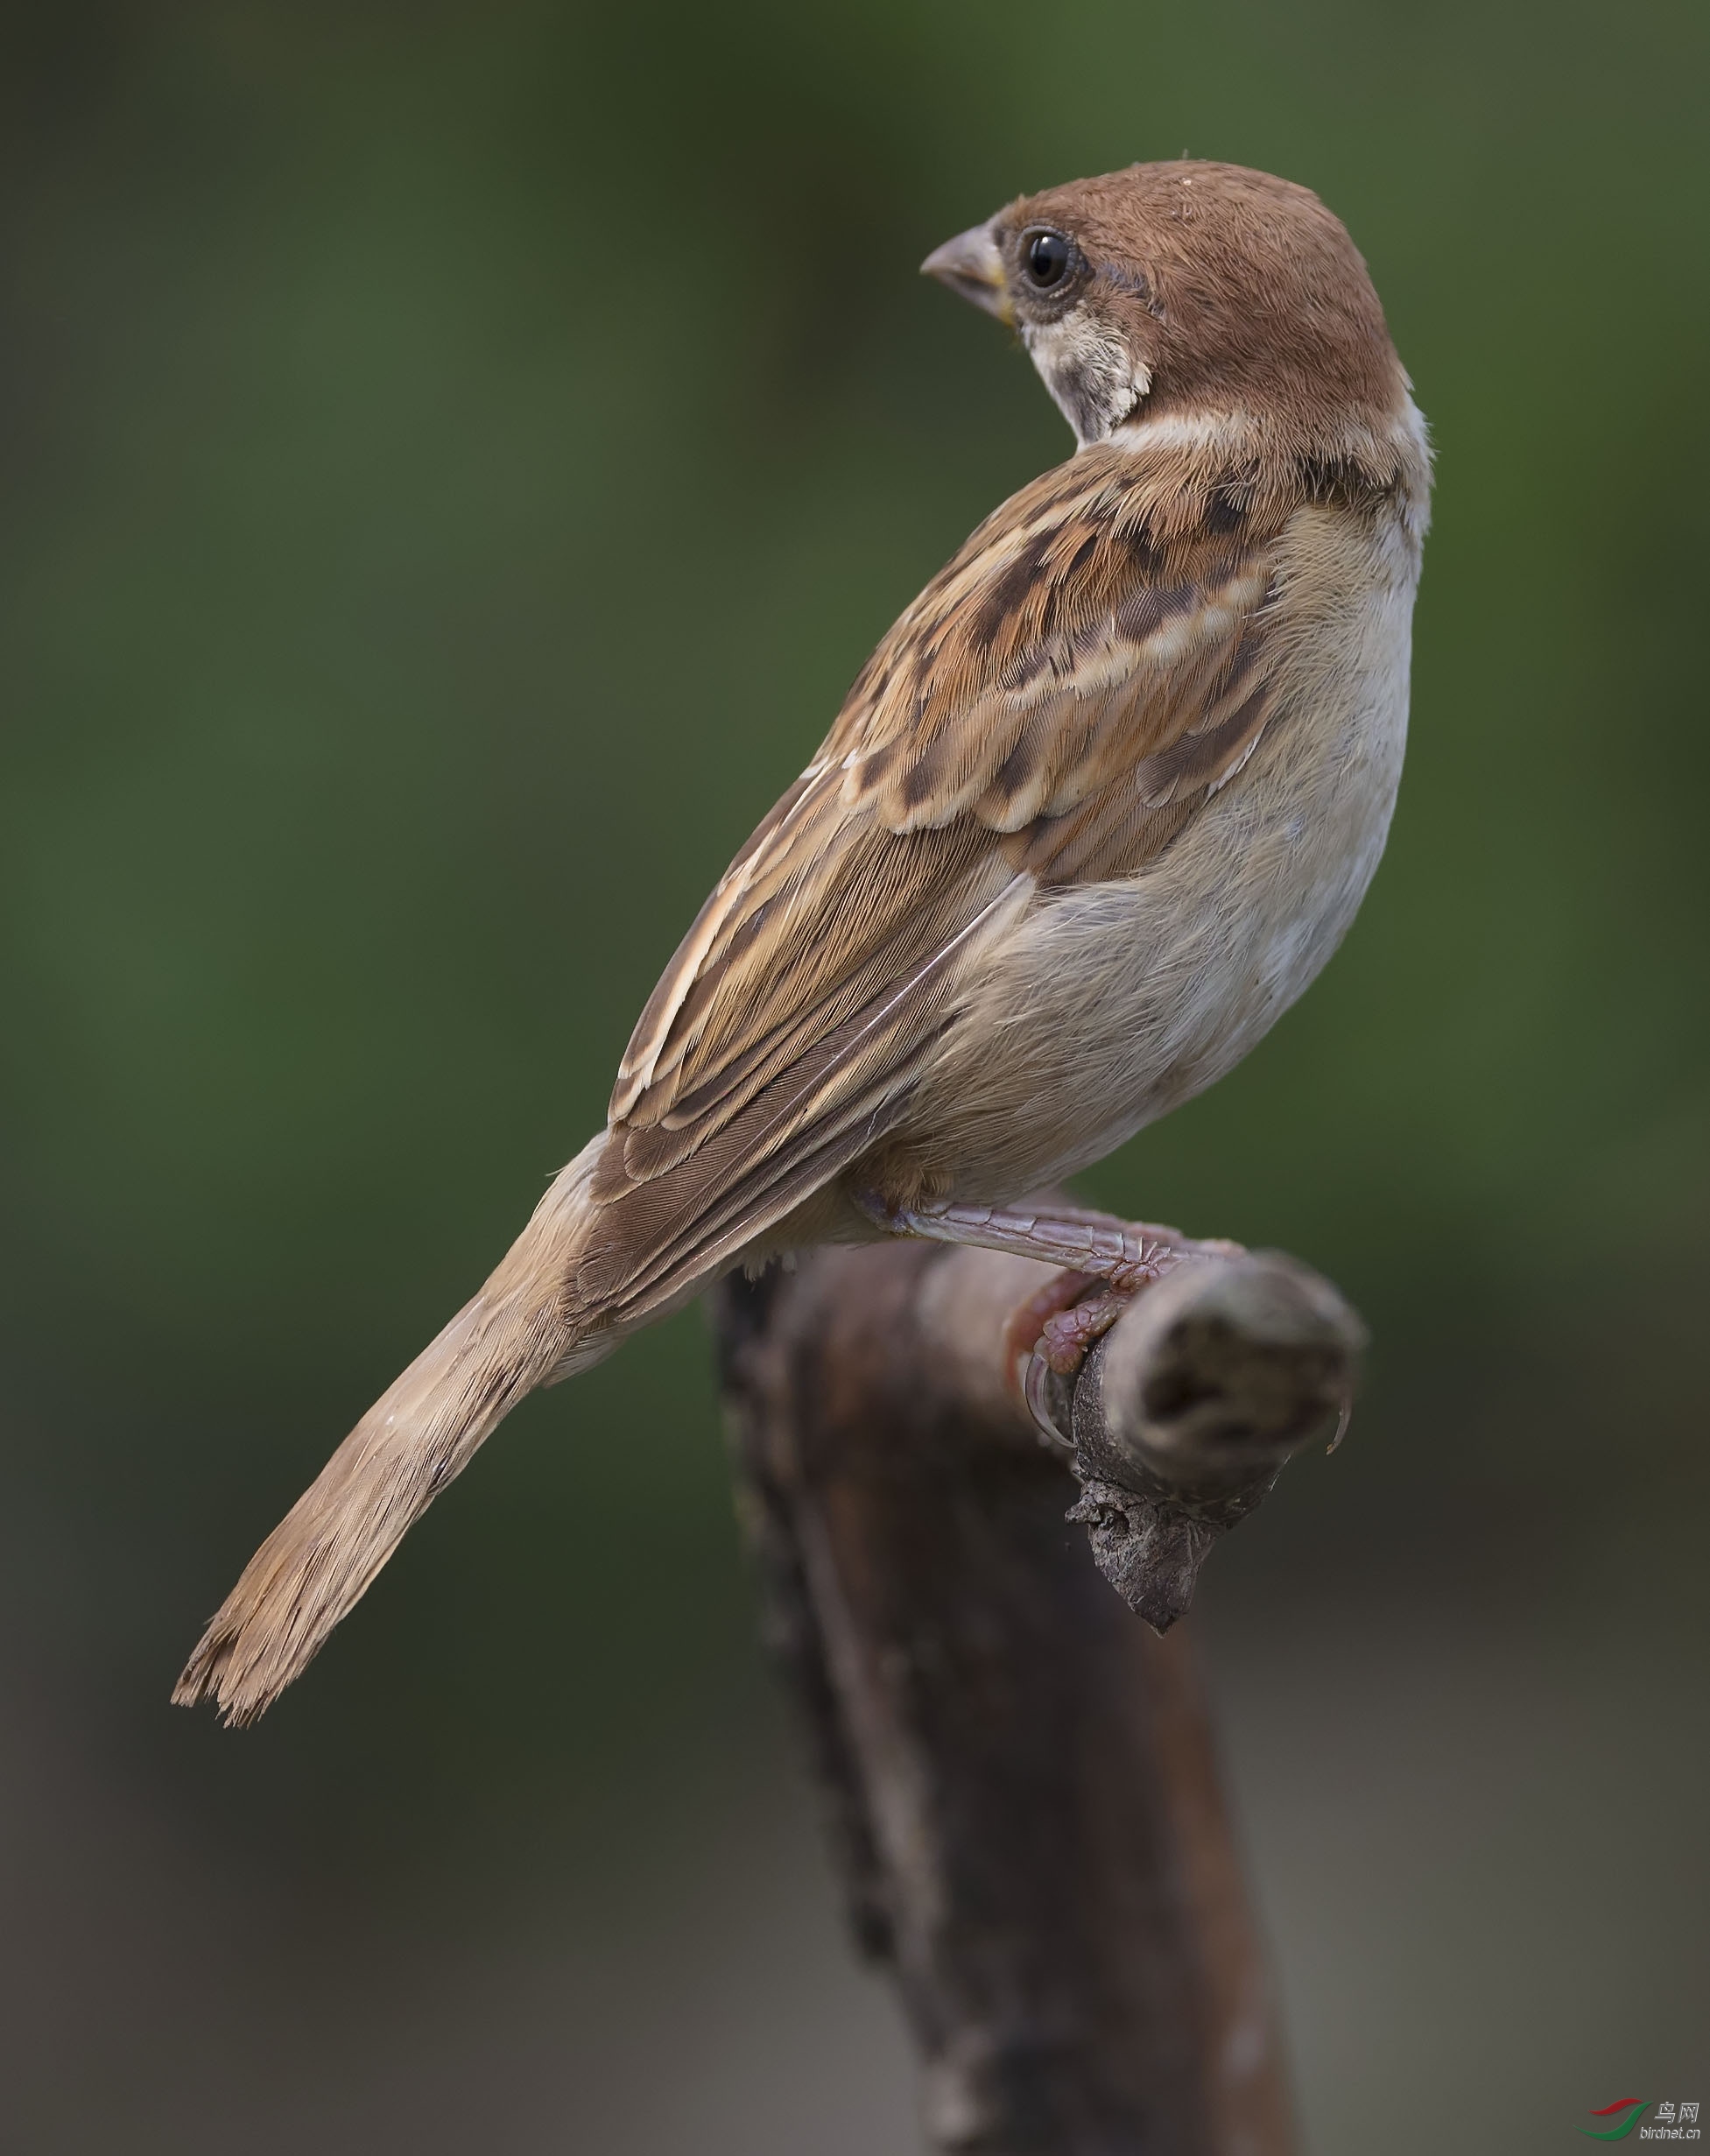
x: 1204, y: 292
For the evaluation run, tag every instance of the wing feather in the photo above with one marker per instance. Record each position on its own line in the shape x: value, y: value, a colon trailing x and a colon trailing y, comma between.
x: 1054, y: 706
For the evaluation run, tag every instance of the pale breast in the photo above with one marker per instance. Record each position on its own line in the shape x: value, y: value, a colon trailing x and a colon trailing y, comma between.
x: 1104, y: 1005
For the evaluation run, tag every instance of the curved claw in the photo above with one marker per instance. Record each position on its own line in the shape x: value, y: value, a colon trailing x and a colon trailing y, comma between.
x: 1050, y: 1334
x: 1023, y: 1332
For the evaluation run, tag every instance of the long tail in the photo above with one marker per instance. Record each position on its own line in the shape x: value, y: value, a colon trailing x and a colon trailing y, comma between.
x: 320, y: 1558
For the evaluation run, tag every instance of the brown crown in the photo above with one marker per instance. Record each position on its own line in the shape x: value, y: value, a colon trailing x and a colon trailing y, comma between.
x: 1235, y: 288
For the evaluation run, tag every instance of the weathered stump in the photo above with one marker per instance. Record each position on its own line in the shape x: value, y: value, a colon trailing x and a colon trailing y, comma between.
x: 1023, y: 1784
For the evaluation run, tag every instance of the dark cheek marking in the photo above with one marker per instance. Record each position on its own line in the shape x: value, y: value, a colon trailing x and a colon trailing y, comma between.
x: 1088, y: 401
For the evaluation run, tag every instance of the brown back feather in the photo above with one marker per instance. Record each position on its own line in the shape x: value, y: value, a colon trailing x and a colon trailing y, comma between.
x: 1057, y: 704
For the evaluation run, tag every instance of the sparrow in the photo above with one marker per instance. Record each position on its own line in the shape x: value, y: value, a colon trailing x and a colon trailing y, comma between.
x: 1096, y: 811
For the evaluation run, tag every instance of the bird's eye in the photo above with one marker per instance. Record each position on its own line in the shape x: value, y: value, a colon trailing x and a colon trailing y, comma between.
x: 1046, y: 256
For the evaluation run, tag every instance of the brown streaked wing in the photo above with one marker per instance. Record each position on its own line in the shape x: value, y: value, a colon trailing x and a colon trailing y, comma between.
x: 1054, y: 706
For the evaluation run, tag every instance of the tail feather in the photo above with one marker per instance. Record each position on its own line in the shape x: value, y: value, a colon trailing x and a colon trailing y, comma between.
x: 420, y: 1435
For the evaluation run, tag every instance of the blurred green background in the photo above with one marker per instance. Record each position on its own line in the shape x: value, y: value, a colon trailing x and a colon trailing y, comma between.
x: 456, y: 458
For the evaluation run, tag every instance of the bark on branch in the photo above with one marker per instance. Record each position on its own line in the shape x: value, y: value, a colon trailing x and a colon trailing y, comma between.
x: 1184, y: 1415
x: 1022, y: 1782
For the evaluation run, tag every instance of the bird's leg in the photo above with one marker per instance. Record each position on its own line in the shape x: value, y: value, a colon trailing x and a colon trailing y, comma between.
x: 1104, y: 1263
x: 1120, y: 1255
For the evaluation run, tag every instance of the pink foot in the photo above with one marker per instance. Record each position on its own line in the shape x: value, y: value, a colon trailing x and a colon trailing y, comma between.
x: 1053, y: 1331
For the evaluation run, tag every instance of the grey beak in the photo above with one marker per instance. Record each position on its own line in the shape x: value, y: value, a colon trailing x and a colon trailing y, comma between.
x: 970, y: 265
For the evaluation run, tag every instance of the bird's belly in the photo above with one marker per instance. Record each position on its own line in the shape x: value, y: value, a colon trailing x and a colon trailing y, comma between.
x: 1110, y: 1003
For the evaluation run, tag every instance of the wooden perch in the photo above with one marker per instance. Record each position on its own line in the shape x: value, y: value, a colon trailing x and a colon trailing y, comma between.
x: 1184, y: 1415
x: 1022, y: 1786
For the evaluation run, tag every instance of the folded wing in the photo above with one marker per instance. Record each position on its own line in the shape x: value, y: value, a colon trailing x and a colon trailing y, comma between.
x: 1053, y: 708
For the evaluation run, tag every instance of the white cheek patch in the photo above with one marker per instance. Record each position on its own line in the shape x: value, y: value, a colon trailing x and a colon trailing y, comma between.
x: 1094, y: 379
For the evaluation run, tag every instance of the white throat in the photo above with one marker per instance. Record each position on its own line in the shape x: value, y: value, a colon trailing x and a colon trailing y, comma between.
x: 1094, y: 379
